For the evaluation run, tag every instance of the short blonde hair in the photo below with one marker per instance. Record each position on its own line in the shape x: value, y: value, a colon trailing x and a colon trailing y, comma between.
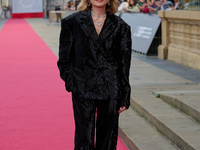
x: 112, y: 8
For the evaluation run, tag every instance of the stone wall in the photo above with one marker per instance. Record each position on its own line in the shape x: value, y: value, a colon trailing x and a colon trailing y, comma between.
x: 180, y: 37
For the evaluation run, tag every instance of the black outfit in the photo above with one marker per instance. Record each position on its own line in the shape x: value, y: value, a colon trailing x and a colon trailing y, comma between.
x: 106, y: 123
x: 5, y: 9
x: 58, y: 15
x: 69, y: 5
x: 95, y: 69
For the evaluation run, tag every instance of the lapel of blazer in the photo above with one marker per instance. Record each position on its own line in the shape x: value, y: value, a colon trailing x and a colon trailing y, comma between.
x: 86, y: 23
x: 109, y: 26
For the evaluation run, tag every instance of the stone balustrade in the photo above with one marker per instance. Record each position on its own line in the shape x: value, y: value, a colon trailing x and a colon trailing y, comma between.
x: 180, y: 37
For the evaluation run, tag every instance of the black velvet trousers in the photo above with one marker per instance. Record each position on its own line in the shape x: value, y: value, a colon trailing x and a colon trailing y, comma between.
x: 103, y: 114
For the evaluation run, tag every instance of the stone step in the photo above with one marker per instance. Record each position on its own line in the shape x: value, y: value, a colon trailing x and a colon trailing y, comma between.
x: 138, y: 134
x: 188, y: 101
x: 179, y: 128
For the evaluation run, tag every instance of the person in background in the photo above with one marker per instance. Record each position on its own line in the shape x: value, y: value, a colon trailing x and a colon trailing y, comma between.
x: 145, y: 8
x: 141, y: 2
x: 163, y: 5
x: 72, y: 6
x: 152, y: 6
x: 171, y: 7
x: 123, y: 6
x: 155, y: 6
x: 58, y: 8
x: 5, y: 11
x: 176, y: 5
x: 149, y: 2
x: 68, y: 5
x: 77, y: 2
x: 133, y: 6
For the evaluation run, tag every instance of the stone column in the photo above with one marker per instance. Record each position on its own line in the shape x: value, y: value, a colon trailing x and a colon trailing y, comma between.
x: 163, y: 49
x: 45, y: 7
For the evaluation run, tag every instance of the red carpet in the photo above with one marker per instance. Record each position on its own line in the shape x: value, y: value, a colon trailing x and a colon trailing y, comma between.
x: 35, y: 110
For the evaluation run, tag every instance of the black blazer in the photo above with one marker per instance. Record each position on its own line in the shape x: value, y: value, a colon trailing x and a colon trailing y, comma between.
x: 95, y: 67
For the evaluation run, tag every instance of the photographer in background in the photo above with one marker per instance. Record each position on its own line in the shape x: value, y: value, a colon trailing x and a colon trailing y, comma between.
x: 4, y: 9
x: 58, y: 8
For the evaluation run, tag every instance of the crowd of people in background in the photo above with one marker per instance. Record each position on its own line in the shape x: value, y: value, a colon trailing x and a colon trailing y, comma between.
x: 147, y: 6
x: 144, y: 6
x: 72, y: 5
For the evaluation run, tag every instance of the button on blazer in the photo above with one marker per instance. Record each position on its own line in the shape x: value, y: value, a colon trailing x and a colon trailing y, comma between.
x: 95, y: 66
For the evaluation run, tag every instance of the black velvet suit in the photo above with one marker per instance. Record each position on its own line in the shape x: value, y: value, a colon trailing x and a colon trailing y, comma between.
x: 96, y: 67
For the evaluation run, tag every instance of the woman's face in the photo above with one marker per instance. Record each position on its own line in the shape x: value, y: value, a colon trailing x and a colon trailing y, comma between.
x: 132, y: 2
x: 148, y: 1
x: 99, y: 3
x: 142, y: 1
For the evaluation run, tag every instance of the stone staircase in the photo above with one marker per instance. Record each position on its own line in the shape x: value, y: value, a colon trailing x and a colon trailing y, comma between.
x: 162, y: 118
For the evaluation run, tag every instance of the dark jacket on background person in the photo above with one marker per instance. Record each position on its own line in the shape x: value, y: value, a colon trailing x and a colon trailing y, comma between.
x: 95, y: 67
x: 57, y: 8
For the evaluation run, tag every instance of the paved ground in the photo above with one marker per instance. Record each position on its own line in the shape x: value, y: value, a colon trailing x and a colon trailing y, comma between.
x: 174, y: 68
x: 2, y: 22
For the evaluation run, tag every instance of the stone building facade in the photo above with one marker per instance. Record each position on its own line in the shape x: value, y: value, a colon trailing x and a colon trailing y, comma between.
x: 180, y: 37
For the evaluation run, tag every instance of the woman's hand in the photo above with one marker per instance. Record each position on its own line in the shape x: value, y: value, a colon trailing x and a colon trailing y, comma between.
x: 122, y: 109
x: 126, y: 9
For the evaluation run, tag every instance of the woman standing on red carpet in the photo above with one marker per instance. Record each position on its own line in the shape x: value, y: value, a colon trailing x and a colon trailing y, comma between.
x: 94, y: 62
